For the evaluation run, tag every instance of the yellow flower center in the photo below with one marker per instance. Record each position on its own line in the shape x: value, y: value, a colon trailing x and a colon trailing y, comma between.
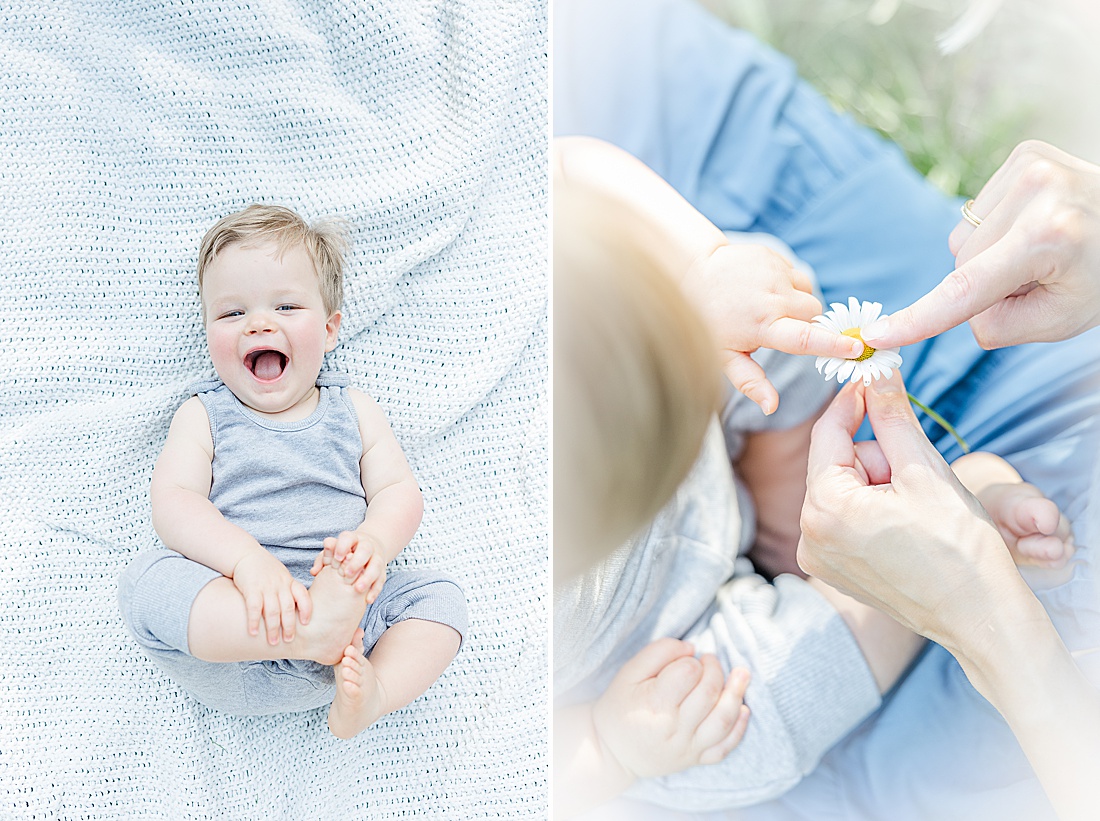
x: 868, y: 351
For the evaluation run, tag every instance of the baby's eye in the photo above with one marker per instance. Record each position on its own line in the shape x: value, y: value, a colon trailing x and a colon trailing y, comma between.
x: 230, y: 314
x: 286, y: 308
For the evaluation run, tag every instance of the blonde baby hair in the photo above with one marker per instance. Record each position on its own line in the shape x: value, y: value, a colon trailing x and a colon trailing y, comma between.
x: 325, y: 242
x: 636, y: 383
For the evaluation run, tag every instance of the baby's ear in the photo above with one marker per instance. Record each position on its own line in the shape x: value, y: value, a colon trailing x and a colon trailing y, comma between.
x: 332, y: 331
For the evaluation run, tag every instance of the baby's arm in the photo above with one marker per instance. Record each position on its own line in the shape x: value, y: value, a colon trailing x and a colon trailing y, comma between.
x: 1032, y: 526
x: 187, y: 522
x: 395, y: 505
x: 664, y: 711
x: 749, y: 296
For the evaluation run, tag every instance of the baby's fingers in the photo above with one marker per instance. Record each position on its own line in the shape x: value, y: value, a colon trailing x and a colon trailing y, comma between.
x: 376, y: 586
x: 303, y: 601
x: 254, y: 608
x: 712, y: 755
x: 745, y: 374
x: 705, y: 696
x: 713, y: 727
x: 272, y: 617
x: 287, y: 613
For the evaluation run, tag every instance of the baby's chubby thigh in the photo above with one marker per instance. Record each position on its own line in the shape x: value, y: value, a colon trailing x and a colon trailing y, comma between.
x: 156, y: 593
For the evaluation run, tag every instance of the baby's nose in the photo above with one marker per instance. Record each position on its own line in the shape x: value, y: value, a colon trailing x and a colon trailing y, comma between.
x: 260, y: 322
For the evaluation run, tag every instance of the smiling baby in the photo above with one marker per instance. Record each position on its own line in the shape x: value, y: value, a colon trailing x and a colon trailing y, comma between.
x: 280, y: 496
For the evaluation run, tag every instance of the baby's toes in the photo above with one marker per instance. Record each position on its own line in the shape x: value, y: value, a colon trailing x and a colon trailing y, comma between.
x: 1037, y: 515
x: 1047, y: 551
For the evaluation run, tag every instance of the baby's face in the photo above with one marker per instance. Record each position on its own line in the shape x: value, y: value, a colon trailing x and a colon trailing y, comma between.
x: 266, y: 326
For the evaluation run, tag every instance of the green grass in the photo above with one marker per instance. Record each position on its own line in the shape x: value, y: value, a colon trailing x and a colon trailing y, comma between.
x: 955, y: 128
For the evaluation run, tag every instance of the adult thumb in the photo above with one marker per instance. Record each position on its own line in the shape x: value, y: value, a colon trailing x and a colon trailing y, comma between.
x: 896, y: 428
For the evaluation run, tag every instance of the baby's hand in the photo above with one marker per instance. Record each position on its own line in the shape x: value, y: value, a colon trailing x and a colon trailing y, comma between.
x: 358, y: 558
x: 271, y: 593
x: 666, y: 711
x: 1032, y: 526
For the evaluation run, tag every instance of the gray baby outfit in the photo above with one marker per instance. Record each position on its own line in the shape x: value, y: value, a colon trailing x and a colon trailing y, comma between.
x: 686, y: 576
x: 290, y: 485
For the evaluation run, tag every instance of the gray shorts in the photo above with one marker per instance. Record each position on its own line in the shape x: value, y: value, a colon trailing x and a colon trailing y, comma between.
x: 157, y: 589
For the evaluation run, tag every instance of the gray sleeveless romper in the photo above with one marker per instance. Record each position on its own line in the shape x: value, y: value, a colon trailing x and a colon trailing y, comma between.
x: 290, y: 485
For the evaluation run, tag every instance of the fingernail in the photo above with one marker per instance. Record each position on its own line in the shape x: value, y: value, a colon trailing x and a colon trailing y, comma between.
x: 767, y: 407
x: 876, y: 330
x: 855, y: 350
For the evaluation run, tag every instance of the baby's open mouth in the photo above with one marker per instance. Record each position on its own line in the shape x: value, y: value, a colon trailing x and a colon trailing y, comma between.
x: 266, y: 364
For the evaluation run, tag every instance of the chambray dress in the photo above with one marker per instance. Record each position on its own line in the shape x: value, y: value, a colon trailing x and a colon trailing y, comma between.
x: 727, y: 122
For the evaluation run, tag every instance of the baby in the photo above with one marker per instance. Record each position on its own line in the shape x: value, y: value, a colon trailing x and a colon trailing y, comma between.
x: 654, y: 525
x: 271, y: 474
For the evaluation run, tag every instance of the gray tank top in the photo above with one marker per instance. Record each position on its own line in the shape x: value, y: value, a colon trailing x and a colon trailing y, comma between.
x: 288, y: 484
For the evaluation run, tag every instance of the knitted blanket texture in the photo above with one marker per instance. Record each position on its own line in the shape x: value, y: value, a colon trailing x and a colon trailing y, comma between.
x: 127, y: 130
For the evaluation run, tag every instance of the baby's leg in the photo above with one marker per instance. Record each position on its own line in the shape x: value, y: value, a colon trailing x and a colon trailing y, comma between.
x: 404, y: 663
x: 413, y: 630
x: 217, y: 627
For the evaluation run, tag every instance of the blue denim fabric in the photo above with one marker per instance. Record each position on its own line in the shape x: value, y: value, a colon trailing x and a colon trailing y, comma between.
x: 727, y: 122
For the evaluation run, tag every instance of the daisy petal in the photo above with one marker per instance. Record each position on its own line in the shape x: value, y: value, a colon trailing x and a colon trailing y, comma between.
x: 855, y: 309
x: 871, y: 311
x: 845, y: 370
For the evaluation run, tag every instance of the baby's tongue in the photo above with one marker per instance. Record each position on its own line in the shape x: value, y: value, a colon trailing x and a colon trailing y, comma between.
x: 268, y: 365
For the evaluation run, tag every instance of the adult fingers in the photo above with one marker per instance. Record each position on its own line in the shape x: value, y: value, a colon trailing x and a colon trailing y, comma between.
x: 1004, y: 190
x: 798, y: 337
x: 976, y: 285
x: 831, y: 442
x: 897, y: 430
x: 745, y: 374
x: 870, y: 457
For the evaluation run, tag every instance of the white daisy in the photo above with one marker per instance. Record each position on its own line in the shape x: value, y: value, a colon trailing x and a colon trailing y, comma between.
x: 850, y: 320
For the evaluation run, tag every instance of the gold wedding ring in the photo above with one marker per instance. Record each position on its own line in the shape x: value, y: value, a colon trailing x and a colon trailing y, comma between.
x: 969, y: 215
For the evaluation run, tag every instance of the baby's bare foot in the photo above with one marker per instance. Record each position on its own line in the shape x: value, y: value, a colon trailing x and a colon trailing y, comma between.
x: 359, y: 700
x: 337, y: 611
x: 1032, y: 526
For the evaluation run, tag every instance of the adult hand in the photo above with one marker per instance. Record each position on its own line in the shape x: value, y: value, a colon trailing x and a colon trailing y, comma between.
x: 751, y: 297
x: 1030, y: 272
x: 888, y: 523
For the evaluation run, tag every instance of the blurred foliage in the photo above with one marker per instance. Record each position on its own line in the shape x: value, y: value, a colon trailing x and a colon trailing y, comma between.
x: 879, y: 61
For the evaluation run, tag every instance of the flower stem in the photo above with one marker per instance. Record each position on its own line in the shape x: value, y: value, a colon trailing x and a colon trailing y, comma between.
x: 939, y: 420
